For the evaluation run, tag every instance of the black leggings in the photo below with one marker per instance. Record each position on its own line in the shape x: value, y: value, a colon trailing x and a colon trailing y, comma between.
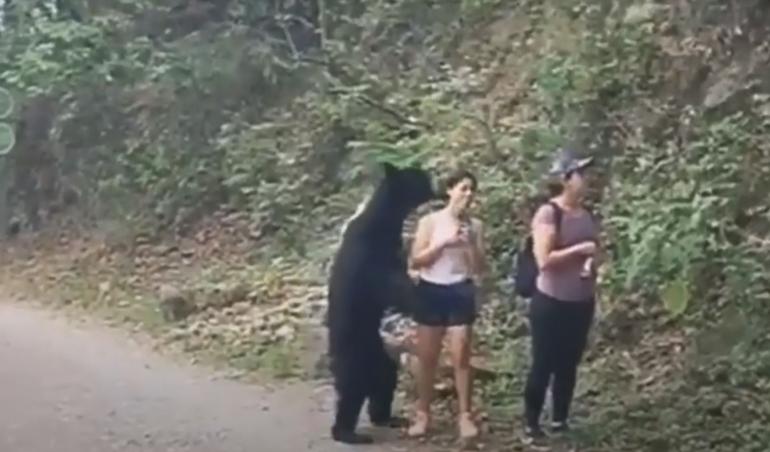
x: 559, y: 335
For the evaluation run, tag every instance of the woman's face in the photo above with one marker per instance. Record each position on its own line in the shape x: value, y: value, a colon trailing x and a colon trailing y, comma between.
x: 576, y: 183
x: 461, y: 194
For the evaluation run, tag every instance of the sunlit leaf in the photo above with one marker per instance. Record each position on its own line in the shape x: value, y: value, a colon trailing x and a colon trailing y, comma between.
x: 676, y: 296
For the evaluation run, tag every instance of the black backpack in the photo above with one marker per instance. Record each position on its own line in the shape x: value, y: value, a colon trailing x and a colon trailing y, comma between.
x: 525, y: 271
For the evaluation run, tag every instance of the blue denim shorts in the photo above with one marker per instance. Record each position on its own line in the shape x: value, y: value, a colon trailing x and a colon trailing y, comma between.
x: 445, y: 304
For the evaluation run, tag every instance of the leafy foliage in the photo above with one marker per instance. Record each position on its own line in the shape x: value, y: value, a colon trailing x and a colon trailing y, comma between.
x: 7, y: 134
x: 280, y: 109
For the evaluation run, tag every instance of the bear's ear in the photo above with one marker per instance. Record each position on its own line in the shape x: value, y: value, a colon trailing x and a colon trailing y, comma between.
x: 390, y: 169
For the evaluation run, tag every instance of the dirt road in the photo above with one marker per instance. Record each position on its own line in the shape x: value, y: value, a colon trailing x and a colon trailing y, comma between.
x: 67, y: 387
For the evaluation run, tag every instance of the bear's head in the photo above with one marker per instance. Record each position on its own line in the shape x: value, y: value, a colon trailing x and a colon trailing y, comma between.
x: 409, y: 187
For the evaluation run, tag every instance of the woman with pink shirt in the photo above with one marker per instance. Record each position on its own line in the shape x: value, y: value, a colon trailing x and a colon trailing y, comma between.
x: 447, y: 252
x: 565, y: 240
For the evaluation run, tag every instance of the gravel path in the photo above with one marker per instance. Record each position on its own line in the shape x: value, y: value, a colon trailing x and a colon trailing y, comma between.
x: 71, y: 387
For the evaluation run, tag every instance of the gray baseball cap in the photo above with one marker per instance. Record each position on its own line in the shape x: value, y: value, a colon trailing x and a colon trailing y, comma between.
x: 567, y: 161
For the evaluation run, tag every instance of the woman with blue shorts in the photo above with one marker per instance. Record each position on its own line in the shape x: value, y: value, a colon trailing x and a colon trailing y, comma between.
x: 447, y: 253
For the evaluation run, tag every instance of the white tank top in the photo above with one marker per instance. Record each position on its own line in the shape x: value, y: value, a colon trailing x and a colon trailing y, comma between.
x: 453, y: 264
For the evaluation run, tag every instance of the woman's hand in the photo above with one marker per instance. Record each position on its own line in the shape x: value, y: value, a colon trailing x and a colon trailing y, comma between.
x: 460, y: 236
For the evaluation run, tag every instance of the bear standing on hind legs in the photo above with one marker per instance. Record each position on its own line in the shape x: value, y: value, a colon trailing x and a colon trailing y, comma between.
x: 369, y: 275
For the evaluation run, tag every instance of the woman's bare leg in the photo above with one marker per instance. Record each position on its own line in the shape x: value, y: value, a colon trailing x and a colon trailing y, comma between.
x: 460, y: 338
x: 429, y: 341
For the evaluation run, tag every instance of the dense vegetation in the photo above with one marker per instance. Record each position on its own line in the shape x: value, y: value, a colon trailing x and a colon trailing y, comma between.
x: 158, y: 113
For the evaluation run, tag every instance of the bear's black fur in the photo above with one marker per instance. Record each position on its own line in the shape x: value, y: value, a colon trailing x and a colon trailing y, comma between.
x: 369, y: 275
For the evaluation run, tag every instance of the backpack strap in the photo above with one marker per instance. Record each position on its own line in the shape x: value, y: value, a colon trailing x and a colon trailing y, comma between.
x: 558, y: 214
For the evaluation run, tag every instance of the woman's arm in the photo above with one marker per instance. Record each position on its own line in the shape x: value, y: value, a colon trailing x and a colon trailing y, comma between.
x: 478, y: 249
x: 600, y: 253
x: 423, y: 253
x: 544, y: 237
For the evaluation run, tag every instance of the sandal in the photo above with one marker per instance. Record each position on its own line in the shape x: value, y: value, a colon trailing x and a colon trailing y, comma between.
x: 467, y: 427
x: 420, y: 426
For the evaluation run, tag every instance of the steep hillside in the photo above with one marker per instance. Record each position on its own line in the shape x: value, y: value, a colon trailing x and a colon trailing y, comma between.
x: 219, y: 146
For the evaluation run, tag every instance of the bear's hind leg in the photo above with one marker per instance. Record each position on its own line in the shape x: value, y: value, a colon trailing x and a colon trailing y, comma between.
x: 382, y: 390
x: 349, y: 404
x: 351, y: 394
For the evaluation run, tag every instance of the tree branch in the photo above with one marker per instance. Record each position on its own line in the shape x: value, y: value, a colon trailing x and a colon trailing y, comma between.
x: 398, y: 116
x: 488, y: 133
x: 289, y: 40
x: 322, y: 21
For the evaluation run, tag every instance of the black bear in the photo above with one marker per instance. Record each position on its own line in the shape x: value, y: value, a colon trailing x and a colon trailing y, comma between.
x: 369, y: 275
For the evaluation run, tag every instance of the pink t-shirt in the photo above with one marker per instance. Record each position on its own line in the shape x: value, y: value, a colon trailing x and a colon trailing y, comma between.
x: 566, y: 281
